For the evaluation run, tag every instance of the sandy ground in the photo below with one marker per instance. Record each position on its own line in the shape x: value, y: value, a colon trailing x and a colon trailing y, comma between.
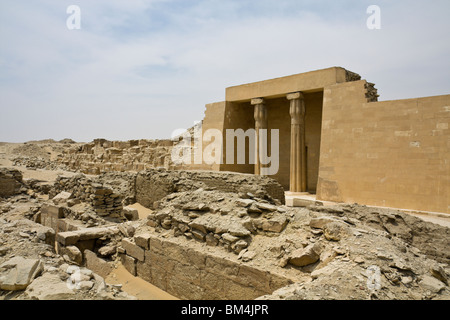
x: 143, y: 211
x: 135, y: 286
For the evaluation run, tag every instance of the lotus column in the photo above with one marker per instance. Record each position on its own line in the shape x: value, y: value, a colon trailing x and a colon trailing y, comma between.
x: 298, y: 150
x: 260, y: 114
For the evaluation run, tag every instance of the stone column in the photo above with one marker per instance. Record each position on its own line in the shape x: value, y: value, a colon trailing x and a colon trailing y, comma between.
x: 298, y: 150
x: 260, y: 115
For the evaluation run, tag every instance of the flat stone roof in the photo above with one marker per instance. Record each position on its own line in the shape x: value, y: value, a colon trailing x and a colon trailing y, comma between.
x: 273, y: 88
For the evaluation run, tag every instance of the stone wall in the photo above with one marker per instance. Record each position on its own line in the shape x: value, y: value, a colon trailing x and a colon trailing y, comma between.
x: 153, y: 185
x: 190, y: 273
x: 10, y: 182
x: 107, y: 193
x: 389, y: 153
x: 105, y: 156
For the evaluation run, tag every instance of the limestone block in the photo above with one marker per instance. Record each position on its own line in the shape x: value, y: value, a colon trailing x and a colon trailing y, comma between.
x: 73, y: 252
x: 107, y: 251
x: 18, y: 272
x: 130, y: 214
x: 275, y: 224
x: 62, y: 197
x: 129, y: 263
x: 133, y: 250
x: 305, y: 256
x: 335, y: 231
x: 96, y: 264
x: 143, y: 240
x: 320, y: 222
x: 431, y: 284
x: 49, y: 287
x: 67, y: 238
x: 52, y: 211
x: 266, y: 206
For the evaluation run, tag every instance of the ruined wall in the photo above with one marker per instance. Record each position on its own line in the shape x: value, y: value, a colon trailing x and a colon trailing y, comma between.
x: 10, y: 182
x: 390, y: 153
x: 195, y: 274
x: 105, y: 156
x: 152, y: 185
x: 107, y: 193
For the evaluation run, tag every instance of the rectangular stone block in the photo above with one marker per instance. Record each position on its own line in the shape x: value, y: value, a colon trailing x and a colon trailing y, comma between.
x: 156, y: 245
x: 133, y: 250
x: 144, y: 270
x: 96, y: 264
x: 129, y: 263
x: 96, y: 233
x: 184, y: 290
x: 222, y: 267
x: 237, y: 291
x: 188, y: 273
x: 143, y: 240
x: 67, y: 238
x: 159, y: 277
x: 52, y: 211
x: 252, y: 277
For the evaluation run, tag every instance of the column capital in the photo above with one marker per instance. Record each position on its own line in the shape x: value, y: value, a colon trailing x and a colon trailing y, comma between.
x: 294, y: 95
x: 256, y: 101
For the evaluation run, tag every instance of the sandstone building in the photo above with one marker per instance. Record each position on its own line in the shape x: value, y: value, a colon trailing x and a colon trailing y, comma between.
x: 338, y: 142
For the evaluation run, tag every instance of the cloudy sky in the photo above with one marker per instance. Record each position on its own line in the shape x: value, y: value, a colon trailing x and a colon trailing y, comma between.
x: 143, y: 68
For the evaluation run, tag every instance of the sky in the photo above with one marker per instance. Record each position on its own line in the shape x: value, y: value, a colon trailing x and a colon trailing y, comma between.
x: 141, y: 69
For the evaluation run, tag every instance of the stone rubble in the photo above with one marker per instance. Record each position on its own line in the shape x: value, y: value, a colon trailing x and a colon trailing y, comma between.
x: 335, y: 252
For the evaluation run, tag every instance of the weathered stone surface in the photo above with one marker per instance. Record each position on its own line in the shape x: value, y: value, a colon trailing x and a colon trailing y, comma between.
x: 85, y: 285
x: 62, y: 197
x: 319, y: 223
x: 10, y: 182
x: 71, y: 237
x: 133, y: 250
x: 240, y: 245
x: 49, y: 286
x: 67, y: 238
x: 275, y: 224
x: 196, y: 207
x: 46, y: 234
x: 3, y: 251
x: 244, y: 202
x: 129, y: 263
x: 96, y: 264
x: 18, y: 272
x: 439, y: 273
x: 432, y: 284
x: 107, y: 251
x: 211, y: 240
x: 305, y: 256
x: 266, y: 206
x: 199, y: 225
x: 335, y: 230
x: 238, y: 230
x: 143, y: 240
x: 130, y: 214
x: 198, y: 235
x: 73, y: 252
x: 230, y: 238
